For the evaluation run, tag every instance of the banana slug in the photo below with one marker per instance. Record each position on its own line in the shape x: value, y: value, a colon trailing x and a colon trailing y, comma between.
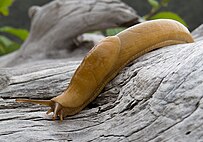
x: 105, y: 60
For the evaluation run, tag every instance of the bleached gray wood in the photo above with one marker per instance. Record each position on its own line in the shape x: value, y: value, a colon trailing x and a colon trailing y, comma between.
x: 198, y: 33
x: 56, y: 26
x: 157, y: 97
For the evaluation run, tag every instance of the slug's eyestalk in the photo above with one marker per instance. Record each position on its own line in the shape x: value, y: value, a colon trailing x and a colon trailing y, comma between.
x: 56, y: 108
x: 58, y: 111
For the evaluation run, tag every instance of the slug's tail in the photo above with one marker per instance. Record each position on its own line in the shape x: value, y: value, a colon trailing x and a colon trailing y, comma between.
x: 41, y: 102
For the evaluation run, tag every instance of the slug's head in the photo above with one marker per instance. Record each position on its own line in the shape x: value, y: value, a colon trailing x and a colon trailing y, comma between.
x: 56, y: 108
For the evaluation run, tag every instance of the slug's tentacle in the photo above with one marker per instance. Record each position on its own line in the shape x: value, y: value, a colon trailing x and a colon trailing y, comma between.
x: 56, y: 108
x: 58, y: 111
x: 49, y: 111
x: 106, y: 59
x: 41, y: 102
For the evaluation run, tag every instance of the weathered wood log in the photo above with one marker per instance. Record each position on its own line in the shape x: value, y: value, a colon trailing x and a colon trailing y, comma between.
x: 56, y: 26
x: 157, y: 97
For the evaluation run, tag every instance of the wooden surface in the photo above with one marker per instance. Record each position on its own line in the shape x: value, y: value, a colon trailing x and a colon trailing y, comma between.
x: 55, y: 28
x: 157, y: 97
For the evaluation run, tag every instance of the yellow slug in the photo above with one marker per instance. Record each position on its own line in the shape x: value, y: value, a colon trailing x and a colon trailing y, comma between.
x: 106, y: 59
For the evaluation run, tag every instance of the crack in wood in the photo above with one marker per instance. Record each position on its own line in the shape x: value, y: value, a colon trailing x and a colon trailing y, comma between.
x: 163, y: 131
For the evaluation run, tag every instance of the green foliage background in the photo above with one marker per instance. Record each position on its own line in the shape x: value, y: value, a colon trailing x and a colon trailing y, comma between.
x: 8, y: 45
x: 7, y: 33
x: 153, y: 14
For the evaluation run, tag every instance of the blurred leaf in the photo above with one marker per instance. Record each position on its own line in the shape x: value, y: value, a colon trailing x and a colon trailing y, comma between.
x: 2, y: 51
x: 4, y: 5
x: 14, y: 46
x: 113, y: 31
x: 166, y: 1
x: 169, y: 15
x: 5, y: 41
x: 20, y: 33
x: 7, y: 46
x: 154, y: 3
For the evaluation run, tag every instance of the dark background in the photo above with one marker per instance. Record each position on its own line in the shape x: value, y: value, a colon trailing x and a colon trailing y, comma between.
x: 18, y: 16
x: 190, y: 10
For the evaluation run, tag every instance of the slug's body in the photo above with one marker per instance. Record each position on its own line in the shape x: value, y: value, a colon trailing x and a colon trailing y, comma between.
x: 107, y: 58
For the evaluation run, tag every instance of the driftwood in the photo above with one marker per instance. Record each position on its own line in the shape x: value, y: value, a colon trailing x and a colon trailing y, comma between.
x: 56, y: 26
x: 157, y: 97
